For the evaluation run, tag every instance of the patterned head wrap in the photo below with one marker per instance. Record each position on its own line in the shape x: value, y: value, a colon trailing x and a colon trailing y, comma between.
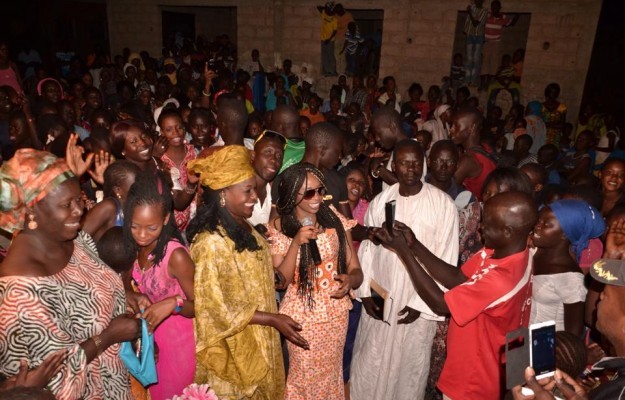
x: 225, y: 167
x: 579, y: 221
x: 26, y: 179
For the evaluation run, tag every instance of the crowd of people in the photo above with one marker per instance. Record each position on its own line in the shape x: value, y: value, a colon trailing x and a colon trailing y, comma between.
x: 276, y: 244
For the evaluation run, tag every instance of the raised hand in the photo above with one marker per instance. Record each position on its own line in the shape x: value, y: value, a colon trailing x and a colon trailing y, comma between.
x: 542, y: 390
x: 73, y: 156
x: 102, y: 161
x: 405, y: 232
x: 160, y: 147
x: 305, y: 234
x: 208, y: 74
x: 393, y: 242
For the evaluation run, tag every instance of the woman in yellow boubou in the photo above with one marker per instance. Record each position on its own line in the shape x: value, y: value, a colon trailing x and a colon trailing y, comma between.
x: 236, y: 325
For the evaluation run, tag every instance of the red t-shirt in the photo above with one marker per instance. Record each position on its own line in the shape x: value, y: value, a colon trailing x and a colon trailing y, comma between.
x: 494, y: 301
x: 474, y: 184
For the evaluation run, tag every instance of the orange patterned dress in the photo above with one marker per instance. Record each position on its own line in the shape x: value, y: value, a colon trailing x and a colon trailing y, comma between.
x: 316, y: 374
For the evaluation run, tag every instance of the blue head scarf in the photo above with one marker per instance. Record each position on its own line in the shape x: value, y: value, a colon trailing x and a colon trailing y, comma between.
x: 579, y: 221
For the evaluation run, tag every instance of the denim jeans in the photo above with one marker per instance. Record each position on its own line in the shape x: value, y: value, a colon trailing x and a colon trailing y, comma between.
x: 473, y: 62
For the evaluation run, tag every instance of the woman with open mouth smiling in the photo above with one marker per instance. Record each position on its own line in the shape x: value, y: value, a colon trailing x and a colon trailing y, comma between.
x: 317, y: 295
x: 130, y: 141
x: 67, y: 307
x: 175, y: 158
x: 237, y: 323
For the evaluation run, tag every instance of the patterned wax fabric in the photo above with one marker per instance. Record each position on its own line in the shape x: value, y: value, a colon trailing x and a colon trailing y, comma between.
x: 24, y: 180
x: 316, y: 373
x: 238, y: 359
x: 41, y: 315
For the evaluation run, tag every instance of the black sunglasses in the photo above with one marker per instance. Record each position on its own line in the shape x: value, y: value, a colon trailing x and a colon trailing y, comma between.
x: 310, y: 193
x: 272, y: 135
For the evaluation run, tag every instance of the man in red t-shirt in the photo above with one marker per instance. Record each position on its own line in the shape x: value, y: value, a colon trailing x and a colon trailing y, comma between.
x: 474, y: 164
x: 488, y: 296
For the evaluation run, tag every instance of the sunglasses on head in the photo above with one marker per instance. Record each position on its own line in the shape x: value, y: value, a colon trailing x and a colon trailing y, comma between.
x: 271, y: 135
x: 310, y: 193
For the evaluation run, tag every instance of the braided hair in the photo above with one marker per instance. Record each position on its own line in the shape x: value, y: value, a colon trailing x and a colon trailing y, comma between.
x: 115, y: 175
x: 293, y: 179
x: 210, y: 216
x: 571, y: 353
x: 151, y: 188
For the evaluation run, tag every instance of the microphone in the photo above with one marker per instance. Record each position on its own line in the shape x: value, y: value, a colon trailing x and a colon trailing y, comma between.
x: 314, y: 250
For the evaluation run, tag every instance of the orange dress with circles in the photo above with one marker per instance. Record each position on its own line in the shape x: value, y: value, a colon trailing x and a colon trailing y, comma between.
x: 316, y: 374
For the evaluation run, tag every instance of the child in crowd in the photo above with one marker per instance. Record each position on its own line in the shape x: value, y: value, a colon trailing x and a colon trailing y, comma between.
x: 304, y: 125
x: 201, y: 129
x: 163, y: 271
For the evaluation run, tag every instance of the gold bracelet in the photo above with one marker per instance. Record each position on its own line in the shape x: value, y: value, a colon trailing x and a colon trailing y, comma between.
x: 98, y: 344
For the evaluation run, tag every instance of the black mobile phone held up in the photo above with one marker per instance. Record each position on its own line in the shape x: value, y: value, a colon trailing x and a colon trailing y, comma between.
x: 389, y: 210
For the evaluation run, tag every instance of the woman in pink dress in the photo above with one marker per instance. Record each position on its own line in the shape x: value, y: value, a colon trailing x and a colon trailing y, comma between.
x: 164, y: 272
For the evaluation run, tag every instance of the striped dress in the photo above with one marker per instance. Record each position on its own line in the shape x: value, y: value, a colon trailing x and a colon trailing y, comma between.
x: 41, y: 315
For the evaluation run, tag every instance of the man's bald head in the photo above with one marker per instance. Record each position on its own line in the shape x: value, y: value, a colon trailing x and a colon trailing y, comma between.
x: 231, y: 120
x: 516, y: 210
x: 285, y: 120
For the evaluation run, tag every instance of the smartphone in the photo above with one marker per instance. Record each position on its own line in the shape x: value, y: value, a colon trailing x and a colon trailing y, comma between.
x: 389, y: 210
x: 543, y: 348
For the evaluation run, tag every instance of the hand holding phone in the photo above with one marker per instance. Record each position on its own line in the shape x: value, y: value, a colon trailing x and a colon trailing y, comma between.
x: 543, y: 349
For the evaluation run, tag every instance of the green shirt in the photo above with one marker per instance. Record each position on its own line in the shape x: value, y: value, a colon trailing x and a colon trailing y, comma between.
x: 293, y: 153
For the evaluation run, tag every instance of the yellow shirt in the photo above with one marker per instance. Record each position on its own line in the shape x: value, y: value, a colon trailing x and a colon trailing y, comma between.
x: 239, y: 360
x: 328, y: 25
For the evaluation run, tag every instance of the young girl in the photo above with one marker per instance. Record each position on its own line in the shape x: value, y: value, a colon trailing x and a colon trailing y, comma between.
x: 612, y: 184
x: 177, y: 154
x: 164, y: 272
x: 317, y: 296
x: 201, y: 127
x: 118, y: 178
x: 357, y: 193
x: 113, y: 250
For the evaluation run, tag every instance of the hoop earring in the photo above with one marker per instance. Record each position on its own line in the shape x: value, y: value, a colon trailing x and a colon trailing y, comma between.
x: 222, y: 200
x: 32, y: 224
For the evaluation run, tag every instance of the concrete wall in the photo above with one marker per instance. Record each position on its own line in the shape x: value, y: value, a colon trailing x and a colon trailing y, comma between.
x: 417, y: 44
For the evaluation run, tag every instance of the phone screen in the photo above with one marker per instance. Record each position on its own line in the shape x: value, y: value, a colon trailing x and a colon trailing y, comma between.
x: 544, y: 349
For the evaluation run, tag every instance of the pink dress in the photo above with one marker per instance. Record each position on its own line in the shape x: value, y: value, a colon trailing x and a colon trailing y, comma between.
x: 359, y: 215
x: 174, y: 336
